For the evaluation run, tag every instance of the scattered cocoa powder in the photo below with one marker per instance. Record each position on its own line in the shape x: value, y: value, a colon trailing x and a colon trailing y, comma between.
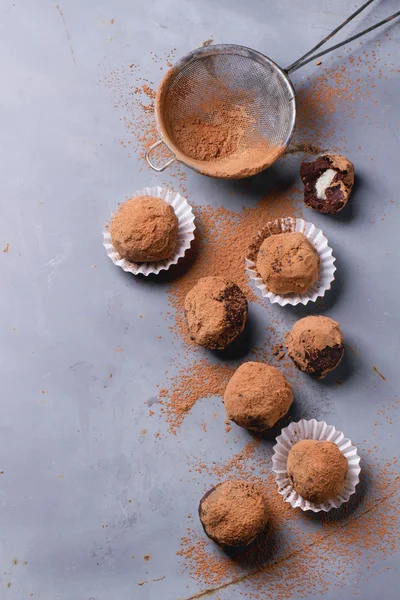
x: 257, y: 396
x: 233, y: 513
x: 317, y: 470
x: 337, y: 97
x: 194, y: 381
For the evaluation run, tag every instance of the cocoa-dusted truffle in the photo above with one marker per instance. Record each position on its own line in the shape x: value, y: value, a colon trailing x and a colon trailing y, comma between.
x: 145, y: 229
x: 257, y: 396
x: 315, y: 344
x: 328, y: 181
x: 216, y: 312
x: 317, y: 470
x: 288, y: 263
x: 233, y: 513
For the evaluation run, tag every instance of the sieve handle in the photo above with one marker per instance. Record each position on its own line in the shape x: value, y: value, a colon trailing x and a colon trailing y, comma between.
x: 149, y: 152
x: 306, y: 58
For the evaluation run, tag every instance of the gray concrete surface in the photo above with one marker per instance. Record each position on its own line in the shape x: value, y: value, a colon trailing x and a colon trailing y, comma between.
x: 72, y: 455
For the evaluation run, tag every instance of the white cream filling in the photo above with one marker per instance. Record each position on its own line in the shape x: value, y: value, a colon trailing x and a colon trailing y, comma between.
x: 324, y: 182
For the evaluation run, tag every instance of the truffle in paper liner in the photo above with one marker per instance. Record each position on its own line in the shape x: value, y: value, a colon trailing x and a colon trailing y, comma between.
x: 185, y: 236
x: 313, y: 430
x: 320, y: 243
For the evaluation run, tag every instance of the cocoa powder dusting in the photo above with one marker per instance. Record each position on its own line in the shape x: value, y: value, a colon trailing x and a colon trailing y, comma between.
x: 192, y: 382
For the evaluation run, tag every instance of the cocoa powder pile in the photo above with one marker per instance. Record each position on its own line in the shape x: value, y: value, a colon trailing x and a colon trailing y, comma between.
x: 257, y: 396
x: 191, y: 382
x: 227, y: 147
x: 145, y: 229
x: 209, y: 140
x: 288, y: 263
x: 216, y: 312
x: 315, y: 344
x: 233, y: 513
x: 317, y: 470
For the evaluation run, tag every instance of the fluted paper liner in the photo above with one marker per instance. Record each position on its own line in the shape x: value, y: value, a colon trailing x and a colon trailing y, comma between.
x: 320, y: 243
x: 186, y: 228
x: 313, y: 430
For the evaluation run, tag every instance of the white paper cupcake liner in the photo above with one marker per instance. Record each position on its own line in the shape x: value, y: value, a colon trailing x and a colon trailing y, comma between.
x: 320, y: 243
x: 313, y: 430
x: 186, y: 228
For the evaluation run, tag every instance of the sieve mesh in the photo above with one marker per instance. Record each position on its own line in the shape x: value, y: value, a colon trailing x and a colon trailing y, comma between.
x: 240, y: 98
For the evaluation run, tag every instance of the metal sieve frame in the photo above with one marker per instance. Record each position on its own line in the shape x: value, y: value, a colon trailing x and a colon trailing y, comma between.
x: 262, y: 59
x: 198, y: 54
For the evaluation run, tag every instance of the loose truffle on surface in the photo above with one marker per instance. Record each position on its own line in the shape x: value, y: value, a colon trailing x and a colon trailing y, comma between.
x: 288, y: 263
x: 317, y: 470
x: 316, y: 345
x: 216, y: 312
x: 328, y: 181
x: 257, y: 396
x: 145, y: 230
x: 233, y: 513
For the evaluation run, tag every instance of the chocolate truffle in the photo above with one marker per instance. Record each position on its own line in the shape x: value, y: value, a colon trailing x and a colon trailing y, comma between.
x: 216, y: 312
x: 145, y: 230
x: 328, y: 181
x: 233, y: 513
x: 315, y: 344
x: 288, y: 263
x: 257, y: 396
x: 317, y: 470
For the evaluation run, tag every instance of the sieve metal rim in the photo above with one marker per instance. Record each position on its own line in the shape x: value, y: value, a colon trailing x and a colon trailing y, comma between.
x: 195, y: 55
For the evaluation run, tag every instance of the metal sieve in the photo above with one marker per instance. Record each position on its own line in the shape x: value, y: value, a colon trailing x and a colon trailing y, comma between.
x: 213, y: 79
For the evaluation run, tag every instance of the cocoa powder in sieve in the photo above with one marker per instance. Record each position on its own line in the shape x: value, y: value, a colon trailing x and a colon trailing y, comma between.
x: 209, y: 140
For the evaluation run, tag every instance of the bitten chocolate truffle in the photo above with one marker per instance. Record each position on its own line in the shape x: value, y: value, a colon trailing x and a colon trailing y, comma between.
x: 233, y: 513
x: 315, y: 344
x: 145, y: 230
x: 328, y: 181
x: 257, y: 396
x: 317, y: 470
x: 216, y: 312
x: 288, y: 263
